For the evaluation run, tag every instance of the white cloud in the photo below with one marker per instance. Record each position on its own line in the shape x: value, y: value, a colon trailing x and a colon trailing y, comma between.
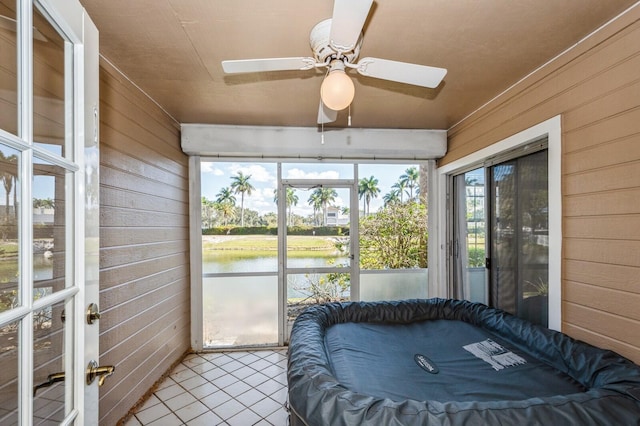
x: 257, y: 172
x: 301, y: 174
x: 208, y: 168
x: 267, y: 193
x: 339, y: 202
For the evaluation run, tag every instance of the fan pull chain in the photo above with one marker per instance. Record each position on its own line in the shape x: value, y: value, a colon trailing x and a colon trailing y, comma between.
x: 322, y: 133
x: 349, y: 119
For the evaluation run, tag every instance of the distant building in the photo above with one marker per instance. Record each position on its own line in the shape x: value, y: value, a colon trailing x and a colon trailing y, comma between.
x: 43, y: 216
x: 335, y: 217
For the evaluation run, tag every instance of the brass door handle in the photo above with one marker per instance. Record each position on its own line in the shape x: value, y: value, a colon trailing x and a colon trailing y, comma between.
x: 93, y: 371
x: 51, y: 379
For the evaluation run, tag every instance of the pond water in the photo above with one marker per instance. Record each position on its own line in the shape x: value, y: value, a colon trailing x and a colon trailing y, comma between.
x: 222, y: 265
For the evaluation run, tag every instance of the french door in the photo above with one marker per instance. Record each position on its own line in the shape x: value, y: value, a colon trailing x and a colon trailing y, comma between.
x: 48, y: 212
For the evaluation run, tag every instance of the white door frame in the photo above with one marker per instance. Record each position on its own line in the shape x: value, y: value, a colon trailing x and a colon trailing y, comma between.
x: 284, y: 270
x: 550, y: 128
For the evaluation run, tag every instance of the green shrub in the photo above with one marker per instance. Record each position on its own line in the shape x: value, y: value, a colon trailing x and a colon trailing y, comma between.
x: 476, y: 257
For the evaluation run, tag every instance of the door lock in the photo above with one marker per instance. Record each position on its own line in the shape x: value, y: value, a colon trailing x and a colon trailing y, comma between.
x: 93, y: 313
x: 93, y: 371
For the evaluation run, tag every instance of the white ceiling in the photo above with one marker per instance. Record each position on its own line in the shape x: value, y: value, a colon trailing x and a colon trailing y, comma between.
x: 172, y: 49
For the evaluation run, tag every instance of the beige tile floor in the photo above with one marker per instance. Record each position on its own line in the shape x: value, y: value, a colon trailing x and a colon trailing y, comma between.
x: 239, y: 388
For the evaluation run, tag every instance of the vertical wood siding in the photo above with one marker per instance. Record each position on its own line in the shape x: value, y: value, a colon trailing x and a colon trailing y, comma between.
x: 144, y: 246
x: 596, y: 89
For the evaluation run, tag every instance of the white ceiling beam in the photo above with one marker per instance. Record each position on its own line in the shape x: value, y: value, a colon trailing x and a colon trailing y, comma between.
x: 229, y: 141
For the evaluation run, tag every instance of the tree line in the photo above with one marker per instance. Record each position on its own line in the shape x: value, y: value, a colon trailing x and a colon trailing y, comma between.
x: 225, y: 211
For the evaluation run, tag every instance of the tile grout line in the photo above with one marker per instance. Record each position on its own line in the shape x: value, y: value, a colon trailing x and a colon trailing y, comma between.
x: 274, y: 378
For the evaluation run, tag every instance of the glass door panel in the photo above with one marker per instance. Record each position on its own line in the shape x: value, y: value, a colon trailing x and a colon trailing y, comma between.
x: 51, y: 377
x: 469, y: 276
x: 318, y: 261
x: 49, y: 228
x: 9, y: 228
x: 9, y: 359
x: 519, y: 237
x: 49, y: 90
x: 8, y: 67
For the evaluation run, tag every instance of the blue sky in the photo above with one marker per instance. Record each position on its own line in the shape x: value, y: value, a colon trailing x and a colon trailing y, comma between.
x: 217, y: 175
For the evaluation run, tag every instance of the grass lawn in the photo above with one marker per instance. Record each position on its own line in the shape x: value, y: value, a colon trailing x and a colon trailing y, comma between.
x: 221, y: 247
x: 266, y: 243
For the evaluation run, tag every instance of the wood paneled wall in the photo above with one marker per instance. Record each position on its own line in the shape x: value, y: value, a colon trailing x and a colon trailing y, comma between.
x: 596, y: 89
x: 144, y: 243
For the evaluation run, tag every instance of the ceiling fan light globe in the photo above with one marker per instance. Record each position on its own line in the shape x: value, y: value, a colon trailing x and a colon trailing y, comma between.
x: 337, y: 90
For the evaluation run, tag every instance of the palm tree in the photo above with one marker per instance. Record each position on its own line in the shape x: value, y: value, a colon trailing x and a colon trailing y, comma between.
x: 225, y: 210
x: 316, y: 203
x: 410, y: 179
x: 8, y: 176
x: 225, y: 196
x: 225, y: 204
x: 400, y: 189
x: 423, y: 187
x: 206, y: 211
x: 325, y: 196
x: 368, y: 189
x: 291, y: 198
x: 391, y: 197
x: 241, y: 185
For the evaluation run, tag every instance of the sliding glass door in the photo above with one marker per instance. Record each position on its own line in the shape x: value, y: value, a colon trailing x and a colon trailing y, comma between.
x: 519, y: 249
x: 500, y: 237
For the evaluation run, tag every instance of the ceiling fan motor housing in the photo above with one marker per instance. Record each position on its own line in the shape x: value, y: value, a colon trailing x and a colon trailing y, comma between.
x: 321, y: 45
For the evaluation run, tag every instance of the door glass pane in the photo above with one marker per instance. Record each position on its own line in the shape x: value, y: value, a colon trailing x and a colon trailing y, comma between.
x: 49, y: 115
x: 49, y: 220
x: 8, y: 67
x: 520, y: 246
x: 317, y: 237
x: 9, y: 230
x: 9, y: 353
x: 49, y: 362
x: 469, y: 273
x: 533, y: 209
x: 317, y: 227
x: 304, y: 290
x: 503, y: 242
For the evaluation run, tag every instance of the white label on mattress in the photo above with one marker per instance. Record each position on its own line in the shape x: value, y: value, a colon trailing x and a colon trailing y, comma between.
x: 496, y: 355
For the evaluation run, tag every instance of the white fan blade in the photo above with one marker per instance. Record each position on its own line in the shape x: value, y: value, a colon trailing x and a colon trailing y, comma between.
x: 347, y: 22
x: 269, y: 64
x: 326, y: 114
x: 402, y: 72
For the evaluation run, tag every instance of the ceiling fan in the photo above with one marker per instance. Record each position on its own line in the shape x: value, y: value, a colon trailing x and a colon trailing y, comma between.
x: 336, y: 43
